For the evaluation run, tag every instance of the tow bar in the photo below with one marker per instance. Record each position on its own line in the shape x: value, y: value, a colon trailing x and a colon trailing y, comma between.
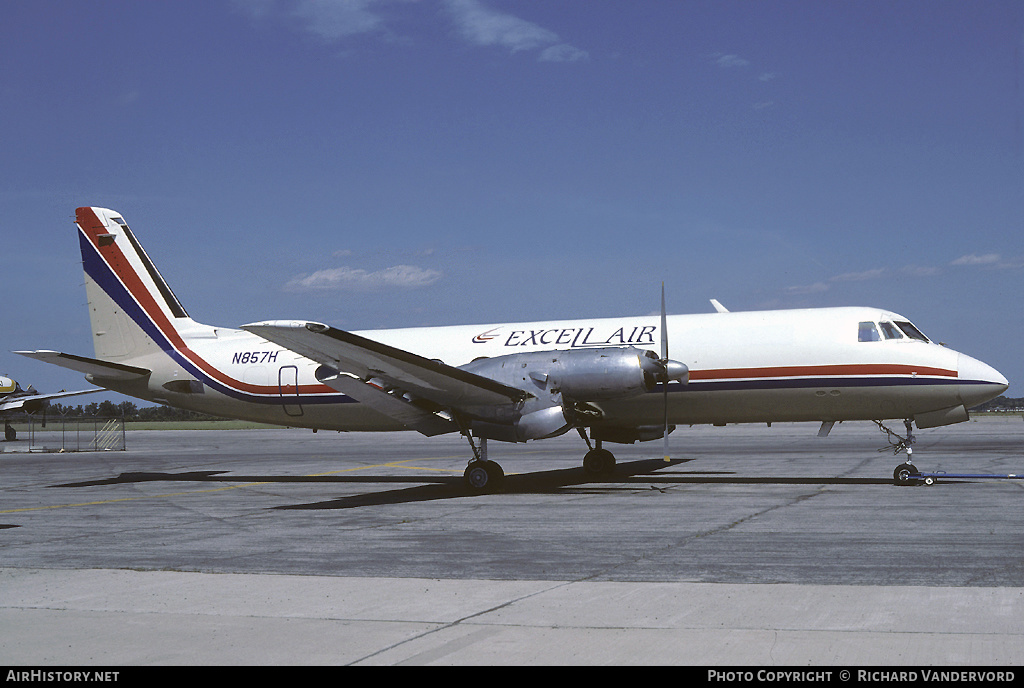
x: 930, y: 478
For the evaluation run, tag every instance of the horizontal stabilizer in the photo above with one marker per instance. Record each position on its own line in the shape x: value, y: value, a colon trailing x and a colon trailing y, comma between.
x: 17, y: 403
x: 368, y: 359
x: 106, y: 370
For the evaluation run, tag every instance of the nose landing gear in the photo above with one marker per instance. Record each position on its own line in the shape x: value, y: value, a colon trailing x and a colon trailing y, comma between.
x: 906, y: 473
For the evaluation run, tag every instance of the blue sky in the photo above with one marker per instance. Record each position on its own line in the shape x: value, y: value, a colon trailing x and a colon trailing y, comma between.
x: 383, y: 163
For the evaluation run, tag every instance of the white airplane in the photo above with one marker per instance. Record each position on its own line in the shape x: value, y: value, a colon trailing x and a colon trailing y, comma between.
x: 14, y: 399
x: 609, y: 379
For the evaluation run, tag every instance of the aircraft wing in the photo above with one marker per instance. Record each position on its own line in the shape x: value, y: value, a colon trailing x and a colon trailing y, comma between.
x: 367, y: 359
x: 89, y: 366
x: 18, y: 402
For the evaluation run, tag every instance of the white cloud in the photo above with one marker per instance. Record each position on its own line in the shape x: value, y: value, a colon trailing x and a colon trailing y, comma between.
x: 328, y: 19
x: 816, y: 288
x: 563, y: 53
x: 972, y: 259
x: 482, y: 25
x: 255, y: 8
x: 820, y: 287
x: 334, y: 19
x: 860, y: 276
x: 727, y: 61
x: 477, y: 23
x: 921, y: 271
x: 357, y: 279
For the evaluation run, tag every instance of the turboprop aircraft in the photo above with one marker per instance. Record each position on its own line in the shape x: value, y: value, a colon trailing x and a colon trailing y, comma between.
x: 610, y: 379
x: 14, y: 399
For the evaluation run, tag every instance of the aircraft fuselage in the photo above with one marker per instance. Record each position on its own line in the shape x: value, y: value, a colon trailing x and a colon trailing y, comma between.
x: 745, y: 367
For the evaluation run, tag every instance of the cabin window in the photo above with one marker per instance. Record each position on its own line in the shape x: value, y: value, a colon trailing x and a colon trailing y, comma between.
x: 911, y: 331
x: 890, y: 331
x: 867, y: 332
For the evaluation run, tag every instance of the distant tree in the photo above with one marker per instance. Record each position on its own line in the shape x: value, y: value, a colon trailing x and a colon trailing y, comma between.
x: 1001, y: 403
x: 127, y: 410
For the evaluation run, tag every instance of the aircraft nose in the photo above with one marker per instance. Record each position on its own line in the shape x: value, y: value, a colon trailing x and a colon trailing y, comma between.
x: 979, y: 381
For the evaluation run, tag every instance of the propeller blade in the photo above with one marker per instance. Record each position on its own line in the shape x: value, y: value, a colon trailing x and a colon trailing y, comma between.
x: 664, y: 361
x: 664, y: 326
x: 665, y: 404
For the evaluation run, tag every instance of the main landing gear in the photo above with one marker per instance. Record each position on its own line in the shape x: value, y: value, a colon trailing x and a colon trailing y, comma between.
x: 484, y: 475
x: 597, y: 461
x: 906, y: 473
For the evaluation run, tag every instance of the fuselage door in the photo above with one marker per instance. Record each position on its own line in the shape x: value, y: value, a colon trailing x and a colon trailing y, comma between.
x: 288, y: 384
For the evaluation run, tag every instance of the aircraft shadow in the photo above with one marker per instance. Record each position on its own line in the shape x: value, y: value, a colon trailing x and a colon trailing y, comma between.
x: 575, y: 480
x: 556, y: 478
x: 220, y: 477
x: 431, y: 488
x: 540, y: 482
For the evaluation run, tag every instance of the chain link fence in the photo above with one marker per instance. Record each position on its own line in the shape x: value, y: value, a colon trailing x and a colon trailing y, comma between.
x: 63, y: 434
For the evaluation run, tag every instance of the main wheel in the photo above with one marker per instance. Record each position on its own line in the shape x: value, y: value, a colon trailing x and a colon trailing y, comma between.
x: 484, y: 476
x: 599, y: 461
x: 906, y: 474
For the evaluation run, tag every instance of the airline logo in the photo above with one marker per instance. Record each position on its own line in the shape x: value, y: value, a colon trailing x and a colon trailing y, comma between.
x: 485, y: 337
x: 572, y: 337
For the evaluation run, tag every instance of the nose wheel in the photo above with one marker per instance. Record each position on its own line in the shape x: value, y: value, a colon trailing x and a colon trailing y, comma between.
x: 906, y: 473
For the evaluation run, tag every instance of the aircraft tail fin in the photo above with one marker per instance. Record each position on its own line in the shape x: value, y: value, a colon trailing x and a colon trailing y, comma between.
x: 132, y: 310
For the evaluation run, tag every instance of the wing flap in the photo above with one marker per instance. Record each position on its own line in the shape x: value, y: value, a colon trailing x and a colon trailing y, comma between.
x: 404, y: 412
x: 368, y: 359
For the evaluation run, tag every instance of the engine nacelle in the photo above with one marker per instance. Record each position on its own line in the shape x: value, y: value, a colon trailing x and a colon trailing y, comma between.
x: 629, y: 435
x: 582, y: 374
x: 536, y: 425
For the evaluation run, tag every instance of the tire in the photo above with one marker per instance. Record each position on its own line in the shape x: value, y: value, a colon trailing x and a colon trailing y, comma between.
x: 906, y: 474
x: 599, y: 462
x: 483, y: 476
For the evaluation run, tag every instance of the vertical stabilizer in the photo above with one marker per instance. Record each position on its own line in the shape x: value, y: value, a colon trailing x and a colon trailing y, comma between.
x: 132, y: 310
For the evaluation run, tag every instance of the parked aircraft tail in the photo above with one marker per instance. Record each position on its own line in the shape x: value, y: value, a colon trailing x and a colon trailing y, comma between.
x: 132, y: 310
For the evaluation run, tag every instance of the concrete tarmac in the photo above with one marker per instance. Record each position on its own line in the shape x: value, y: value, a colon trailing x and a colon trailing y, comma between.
x: 755, y: 546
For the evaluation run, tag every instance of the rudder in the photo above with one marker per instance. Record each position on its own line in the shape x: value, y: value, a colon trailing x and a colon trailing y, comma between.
x: 131, y: 309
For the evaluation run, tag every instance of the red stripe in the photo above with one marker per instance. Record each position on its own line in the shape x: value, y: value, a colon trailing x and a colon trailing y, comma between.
x: 819, y: 371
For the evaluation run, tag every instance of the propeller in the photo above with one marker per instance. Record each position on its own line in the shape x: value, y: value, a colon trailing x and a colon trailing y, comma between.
x: 670, y: 370
x: 664, y: 362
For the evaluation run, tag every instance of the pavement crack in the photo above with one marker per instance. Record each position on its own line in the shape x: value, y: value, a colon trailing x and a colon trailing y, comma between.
x: 463, y: 642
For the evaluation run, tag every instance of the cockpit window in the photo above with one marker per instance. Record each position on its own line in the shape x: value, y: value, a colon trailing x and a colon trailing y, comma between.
x: 890, y: 331
x: 867, y: 332
x: 911, y: 331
